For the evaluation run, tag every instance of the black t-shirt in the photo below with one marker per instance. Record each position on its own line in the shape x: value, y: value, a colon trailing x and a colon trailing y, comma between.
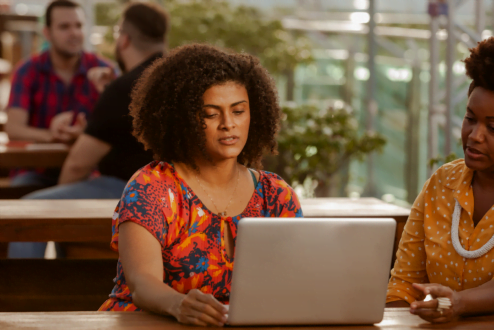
x: 110, y: 122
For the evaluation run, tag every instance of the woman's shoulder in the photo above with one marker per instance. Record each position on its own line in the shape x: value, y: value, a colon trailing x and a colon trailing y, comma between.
x: 154, y: 185
x: 154, y: 172
x: 449, y: 173
x: 156, y: 178
x: 280, y: 195
x: 273, y: 179
x: 274, y: 184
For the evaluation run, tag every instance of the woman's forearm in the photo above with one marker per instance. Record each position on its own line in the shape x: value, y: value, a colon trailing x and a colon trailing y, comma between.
x: 153, y: 295
x: 479, y: 300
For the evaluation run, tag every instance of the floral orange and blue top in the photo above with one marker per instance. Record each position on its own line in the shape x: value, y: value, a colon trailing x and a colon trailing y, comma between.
x: 191, y: 236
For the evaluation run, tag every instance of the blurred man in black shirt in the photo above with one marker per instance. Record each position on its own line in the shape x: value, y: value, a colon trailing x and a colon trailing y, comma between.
x: 107, y: 143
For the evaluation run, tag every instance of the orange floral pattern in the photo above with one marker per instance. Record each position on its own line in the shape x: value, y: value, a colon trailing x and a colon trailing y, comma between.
x: 194, y: 255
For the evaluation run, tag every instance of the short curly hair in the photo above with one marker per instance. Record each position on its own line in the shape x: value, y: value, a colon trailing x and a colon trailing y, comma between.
x: 480, y: 65
x: 167, y: 102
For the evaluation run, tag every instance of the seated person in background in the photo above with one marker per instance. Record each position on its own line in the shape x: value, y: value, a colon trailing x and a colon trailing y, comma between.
x: 208, y: 116
x: 51, y: 95
x: 446, y: 248
x: 107, y: 142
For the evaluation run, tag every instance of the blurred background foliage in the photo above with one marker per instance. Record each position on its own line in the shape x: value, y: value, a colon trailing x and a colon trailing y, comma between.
x: 217, y: 22
x: 315, y: 144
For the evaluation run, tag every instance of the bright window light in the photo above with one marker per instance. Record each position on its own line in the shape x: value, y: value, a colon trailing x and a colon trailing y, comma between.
x: 21, y: 9
x: 360, y: 17
x: 361, y: 4
x: 459, y: 68
x: 401, y: 74
x: 361, y: 73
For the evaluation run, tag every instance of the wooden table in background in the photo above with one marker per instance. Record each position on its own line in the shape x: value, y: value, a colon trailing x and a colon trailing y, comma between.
x: 89, y: 220
x: 83, y: 220
x: 394, y: 318
x: 29, y: 155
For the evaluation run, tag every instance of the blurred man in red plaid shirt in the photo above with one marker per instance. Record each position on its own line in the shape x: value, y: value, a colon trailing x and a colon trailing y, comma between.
x: 51, y: 95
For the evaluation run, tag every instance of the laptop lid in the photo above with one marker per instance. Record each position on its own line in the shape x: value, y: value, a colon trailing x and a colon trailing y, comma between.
x: 311, y: 271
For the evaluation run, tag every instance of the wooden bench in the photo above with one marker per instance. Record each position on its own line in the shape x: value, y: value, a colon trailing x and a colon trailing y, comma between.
x: 32, y: 155
x: 394, y: 318
x: 27, y: 155
x: 55, y: 285
x: 89, y: 221
x: 62, y: 284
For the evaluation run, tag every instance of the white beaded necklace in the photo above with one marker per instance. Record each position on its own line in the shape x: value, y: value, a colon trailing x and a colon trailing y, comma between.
x: 456, y: 239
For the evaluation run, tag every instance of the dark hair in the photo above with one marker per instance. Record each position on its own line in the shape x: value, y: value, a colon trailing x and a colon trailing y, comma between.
x: 480, y: 65
x: 148, y: 20
x: 168, y: 98
x: 60, y: 4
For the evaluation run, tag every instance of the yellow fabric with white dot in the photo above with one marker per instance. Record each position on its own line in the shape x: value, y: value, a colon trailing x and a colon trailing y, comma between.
x: 426, y: 253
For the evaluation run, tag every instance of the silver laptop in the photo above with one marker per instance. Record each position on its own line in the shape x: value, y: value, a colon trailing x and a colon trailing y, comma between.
x: 303, y: 271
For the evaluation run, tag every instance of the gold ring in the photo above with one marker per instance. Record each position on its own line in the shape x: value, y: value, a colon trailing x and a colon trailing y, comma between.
x: 441, y: 312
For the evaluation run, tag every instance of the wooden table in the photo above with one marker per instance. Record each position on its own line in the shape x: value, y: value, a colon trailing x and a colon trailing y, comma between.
x: 87, y: 220
x: 83, y: 220
x: 394, y: 318
x: 32, y: 155
x: 90, y: 220
x: 352, y: 208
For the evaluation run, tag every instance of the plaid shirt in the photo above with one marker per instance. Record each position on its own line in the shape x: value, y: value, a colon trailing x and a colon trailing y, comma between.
x: 37, y: 89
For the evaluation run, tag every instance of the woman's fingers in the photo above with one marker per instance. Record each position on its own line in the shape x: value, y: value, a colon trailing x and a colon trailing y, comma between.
x: 208, y: 310
x: 205, y: 318
x: 431, y: 304
x: 426, y: 287
x: 197, y: 303
x: 210, y: 300
x: 442, y: 319
x: 194, y: 321
x: 440, y: 291
x: 427, y: 314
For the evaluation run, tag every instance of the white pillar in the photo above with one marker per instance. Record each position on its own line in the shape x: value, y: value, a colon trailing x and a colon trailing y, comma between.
x: 88, y: 6
x: 432, y: 150
x: 450, y: 59
x: 371, y: 104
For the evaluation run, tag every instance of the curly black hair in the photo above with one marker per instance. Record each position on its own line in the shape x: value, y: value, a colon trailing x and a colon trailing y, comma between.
x: 480, y: 65
x: 167, y: 103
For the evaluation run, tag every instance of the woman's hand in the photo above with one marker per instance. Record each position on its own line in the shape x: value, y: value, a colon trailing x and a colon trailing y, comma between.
x: 427, y: 310
x: 198, y: 308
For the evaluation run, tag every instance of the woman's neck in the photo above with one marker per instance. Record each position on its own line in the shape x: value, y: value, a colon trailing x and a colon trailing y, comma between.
x: 484, y: 179
x: 213, y: 174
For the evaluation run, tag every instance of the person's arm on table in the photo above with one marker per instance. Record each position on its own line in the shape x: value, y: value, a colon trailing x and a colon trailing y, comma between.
x: 479, y: 300
x: 83, y: 157
x: 17, y: 128
x: 60, y: 130
x: 410, y: 261
x: 140, y: 254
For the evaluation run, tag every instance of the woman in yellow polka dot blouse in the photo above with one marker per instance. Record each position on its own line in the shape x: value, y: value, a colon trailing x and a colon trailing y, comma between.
x: 447, y: 245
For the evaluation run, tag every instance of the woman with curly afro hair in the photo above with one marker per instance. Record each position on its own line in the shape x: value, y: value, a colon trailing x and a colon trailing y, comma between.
x: 447, y: 245
x: 208, y: 116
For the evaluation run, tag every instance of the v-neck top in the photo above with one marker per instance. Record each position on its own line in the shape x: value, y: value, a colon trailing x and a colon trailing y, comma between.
x: 426, y: 253
x: 191, y: 236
